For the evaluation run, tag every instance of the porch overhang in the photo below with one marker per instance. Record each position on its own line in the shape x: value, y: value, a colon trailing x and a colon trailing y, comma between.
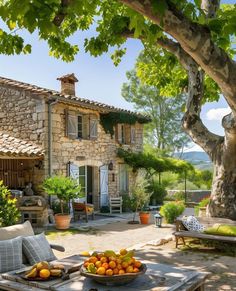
x: 15, y: 148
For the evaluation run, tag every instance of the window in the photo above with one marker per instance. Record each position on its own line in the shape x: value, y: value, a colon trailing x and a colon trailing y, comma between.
x: 125, y: 133
x: 81, y: 126
x: 123, y: 178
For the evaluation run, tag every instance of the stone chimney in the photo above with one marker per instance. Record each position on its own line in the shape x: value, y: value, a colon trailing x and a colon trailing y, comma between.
x: 68, y: 84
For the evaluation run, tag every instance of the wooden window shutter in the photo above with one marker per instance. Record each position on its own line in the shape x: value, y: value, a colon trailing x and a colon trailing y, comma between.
x: 132, y: 134
x: 72, y: 125
x: 93, y: 127
x: 85, y: 125
x: 127, y: 135
x: 119, y: 133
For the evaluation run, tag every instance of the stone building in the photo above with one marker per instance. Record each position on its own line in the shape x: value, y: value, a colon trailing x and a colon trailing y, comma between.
x: 45, y: 132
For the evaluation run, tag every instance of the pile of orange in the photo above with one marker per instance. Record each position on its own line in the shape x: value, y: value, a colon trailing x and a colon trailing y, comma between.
x: 110, y: 263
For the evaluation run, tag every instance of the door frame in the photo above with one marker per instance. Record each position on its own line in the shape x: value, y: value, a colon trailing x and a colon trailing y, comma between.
x: 103, y: 168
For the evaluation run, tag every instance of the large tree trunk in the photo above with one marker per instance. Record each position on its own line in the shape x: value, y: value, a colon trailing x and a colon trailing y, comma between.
x: 223, y: 196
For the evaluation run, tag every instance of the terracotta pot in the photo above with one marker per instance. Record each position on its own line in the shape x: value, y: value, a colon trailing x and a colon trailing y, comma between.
x: 144, y: 217
x: 62, y: 221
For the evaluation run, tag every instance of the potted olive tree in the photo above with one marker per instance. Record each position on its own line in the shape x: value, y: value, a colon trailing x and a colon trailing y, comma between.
x: 140, y: 197
x: 65, y: 188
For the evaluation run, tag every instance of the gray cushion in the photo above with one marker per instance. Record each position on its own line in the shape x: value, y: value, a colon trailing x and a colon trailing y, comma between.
x: 11, y: 254
x: 13, y: 231
x: 36, y: 248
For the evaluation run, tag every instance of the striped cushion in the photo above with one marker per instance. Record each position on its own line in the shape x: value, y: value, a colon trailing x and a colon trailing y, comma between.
x: 11, y: 254
x: 36, y: 248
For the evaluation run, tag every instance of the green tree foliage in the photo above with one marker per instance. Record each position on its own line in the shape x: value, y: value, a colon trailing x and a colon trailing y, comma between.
x: 153, y: 164
x: 172, y: 210
x: 164, y: 131
x: 65, y: 188
x: 9, y: 213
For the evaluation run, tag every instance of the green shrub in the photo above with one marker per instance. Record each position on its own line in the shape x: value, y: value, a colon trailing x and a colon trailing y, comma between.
x: 9, y: 213
x: 172, y: 210
x: 158, y: 192
x: 126, y: 203
x: 179, y: 196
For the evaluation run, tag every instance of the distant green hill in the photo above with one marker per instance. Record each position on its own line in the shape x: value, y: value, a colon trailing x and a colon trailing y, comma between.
x: 200, y: 160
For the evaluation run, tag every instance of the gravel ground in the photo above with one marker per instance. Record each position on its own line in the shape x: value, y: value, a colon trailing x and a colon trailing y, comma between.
x: 118, y: 234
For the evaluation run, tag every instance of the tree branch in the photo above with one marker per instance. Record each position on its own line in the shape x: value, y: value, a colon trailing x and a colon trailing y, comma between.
x: 210, y: 7
x: 195, y: 39
x: 59, y: 18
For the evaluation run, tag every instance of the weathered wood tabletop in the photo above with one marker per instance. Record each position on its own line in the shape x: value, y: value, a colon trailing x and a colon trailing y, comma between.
x: 159, y: 277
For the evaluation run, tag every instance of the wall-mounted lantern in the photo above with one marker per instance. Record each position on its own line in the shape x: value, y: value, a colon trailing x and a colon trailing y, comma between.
x: 110, y: 166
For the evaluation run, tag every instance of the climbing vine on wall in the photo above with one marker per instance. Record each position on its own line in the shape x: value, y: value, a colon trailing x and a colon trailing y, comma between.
x: 111, y: 119
x: 151, y: 163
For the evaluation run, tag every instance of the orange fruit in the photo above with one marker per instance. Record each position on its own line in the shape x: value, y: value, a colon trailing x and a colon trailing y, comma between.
x: 99, y: 256
x: 118, y: 266
x: 86, y: 263
x: 133, y: 261
x: 129, y: 261
x: 93, y: 260
x: 124, y: 265
x: 103, y: 259
x: 129, y: 269
x: 112, y: 264
x: 98, y: 264
x: 44, y: 273
x: 123, y: 252
x: 105, y: 265
x: 121, y: 272
x: 109, y: 272
x: 137, y: 264
x: 115, y: 271
x: 136, y: 270
x: 112, y: 259
x: 118, y: 261
x: 101, y: 271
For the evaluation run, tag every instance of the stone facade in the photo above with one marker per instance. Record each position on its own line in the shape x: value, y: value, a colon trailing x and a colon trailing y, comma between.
x: 24, y: 115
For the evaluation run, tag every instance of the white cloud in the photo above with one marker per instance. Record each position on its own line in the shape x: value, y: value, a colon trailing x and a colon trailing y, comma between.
x: 217, y: 114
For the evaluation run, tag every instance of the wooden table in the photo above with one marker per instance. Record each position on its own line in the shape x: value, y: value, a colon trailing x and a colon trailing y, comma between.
x: 159, y: 277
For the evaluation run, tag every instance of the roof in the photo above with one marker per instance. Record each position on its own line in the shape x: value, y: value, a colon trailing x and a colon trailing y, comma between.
x: 14, y: 147
x: 86, y: 103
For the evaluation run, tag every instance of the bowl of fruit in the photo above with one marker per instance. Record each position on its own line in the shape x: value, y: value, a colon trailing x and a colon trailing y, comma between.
x: 111, y: 268
x: 43, y: 271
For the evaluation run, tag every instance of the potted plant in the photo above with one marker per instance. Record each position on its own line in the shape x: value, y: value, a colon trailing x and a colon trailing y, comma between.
x: 140, y: 198
x: 65, y: 188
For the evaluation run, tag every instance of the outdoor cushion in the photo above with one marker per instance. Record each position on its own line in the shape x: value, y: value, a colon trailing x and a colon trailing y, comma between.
x: 36, y: 248
x: 11, y: 254
x: 9, y: 232
x: 222, y: 229
x: 192, y: 224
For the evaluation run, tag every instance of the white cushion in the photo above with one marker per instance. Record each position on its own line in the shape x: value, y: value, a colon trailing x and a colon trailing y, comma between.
x: 8, y: 232
x: 192, y: 224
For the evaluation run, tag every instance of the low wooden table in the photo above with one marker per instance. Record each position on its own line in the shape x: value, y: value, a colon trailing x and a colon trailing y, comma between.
x: 159, y: 277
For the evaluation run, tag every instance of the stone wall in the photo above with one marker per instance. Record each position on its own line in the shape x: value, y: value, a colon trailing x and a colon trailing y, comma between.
x: 96, y: 153
x: 22, y: 115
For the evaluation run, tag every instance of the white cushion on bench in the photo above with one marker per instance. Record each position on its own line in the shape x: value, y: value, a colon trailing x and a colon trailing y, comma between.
x: 9, y: 232
x: 192, y: 224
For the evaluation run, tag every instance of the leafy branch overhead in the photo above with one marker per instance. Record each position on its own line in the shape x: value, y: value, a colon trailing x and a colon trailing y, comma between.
x: 152, y: 163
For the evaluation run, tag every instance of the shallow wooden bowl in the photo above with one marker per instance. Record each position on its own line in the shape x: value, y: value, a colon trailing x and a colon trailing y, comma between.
x: 114, y: 279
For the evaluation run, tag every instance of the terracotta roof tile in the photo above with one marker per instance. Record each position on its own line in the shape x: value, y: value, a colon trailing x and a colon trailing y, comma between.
x: 14, y: 147
x: 66, y: 98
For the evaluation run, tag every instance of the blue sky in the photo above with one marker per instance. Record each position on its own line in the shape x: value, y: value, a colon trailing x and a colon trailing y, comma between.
x: 98, y: 78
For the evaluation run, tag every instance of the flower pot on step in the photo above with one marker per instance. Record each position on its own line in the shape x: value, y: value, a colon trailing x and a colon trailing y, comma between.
x: 144, y: 217
x: 62, y: 221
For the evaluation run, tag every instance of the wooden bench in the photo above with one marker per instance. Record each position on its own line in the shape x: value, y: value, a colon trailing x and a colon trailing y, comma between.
x: 182, y: 232
x: 115, y: 204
